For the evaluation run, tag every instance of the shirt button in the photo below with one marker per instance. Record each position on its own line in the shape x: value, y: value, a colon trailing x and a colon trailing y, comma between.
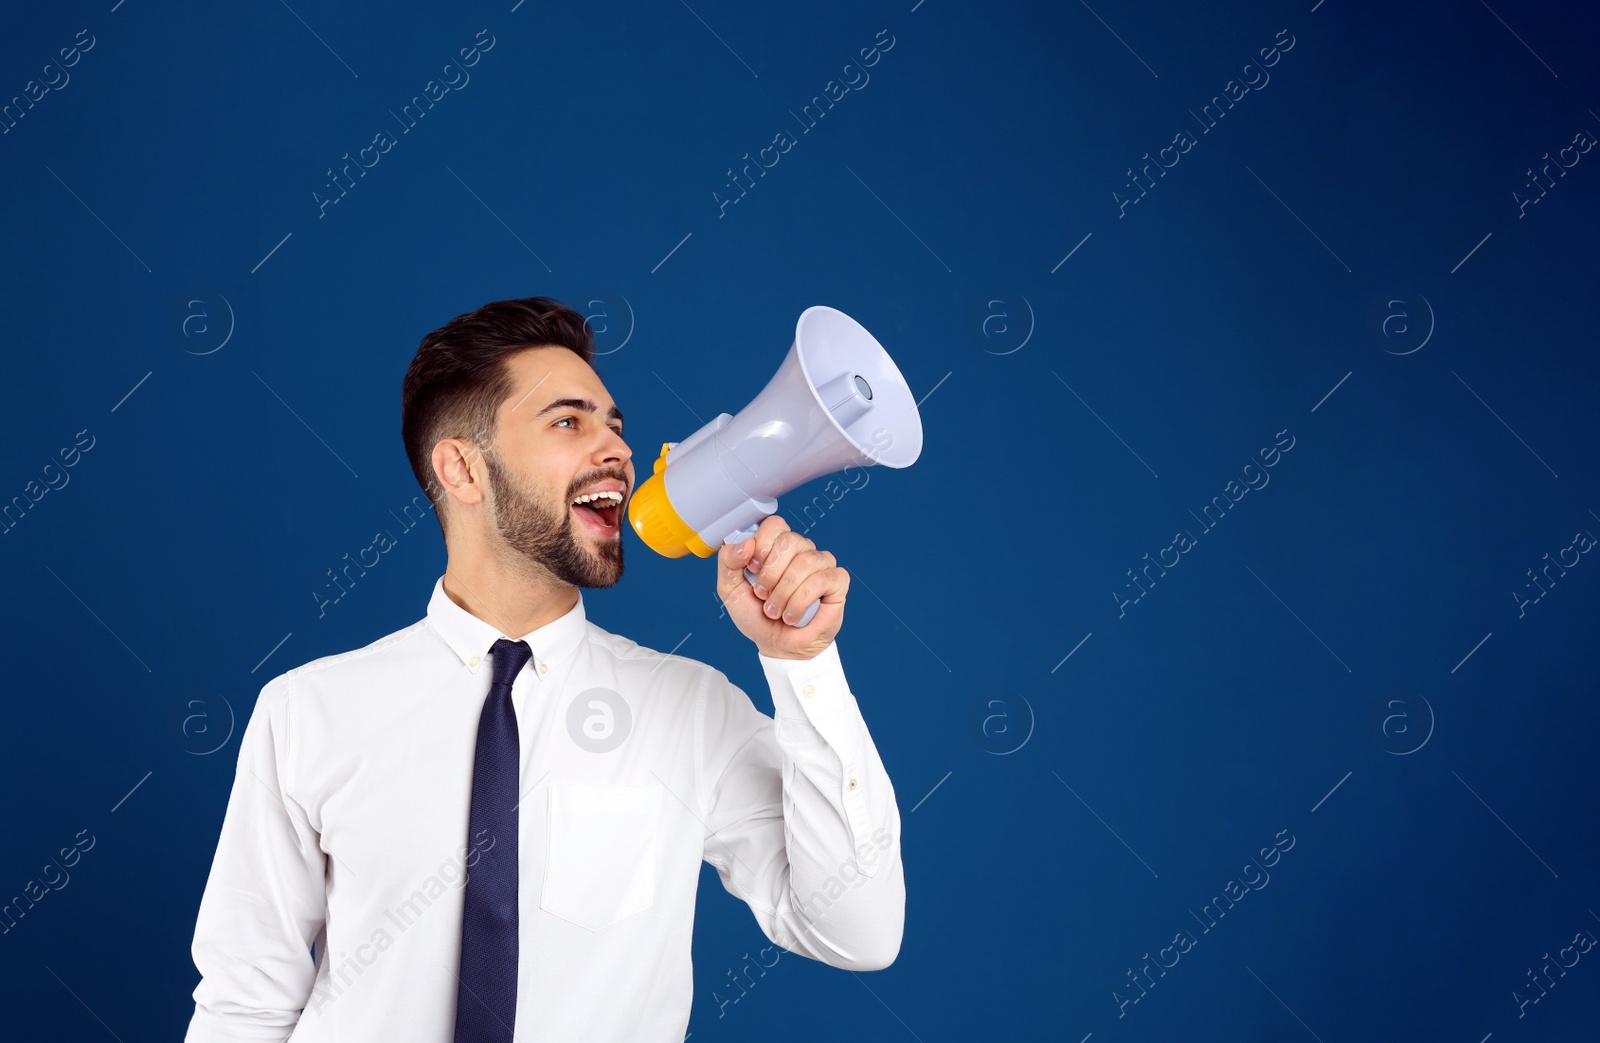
x: 476, y: 659
x: 544, y: 668
x: 852, y: 783
x: 809, y: 690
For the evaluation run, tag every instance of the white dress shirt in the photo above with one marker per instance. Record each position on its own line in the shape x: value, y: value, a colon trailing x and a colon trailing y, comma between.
x: 347, y: 826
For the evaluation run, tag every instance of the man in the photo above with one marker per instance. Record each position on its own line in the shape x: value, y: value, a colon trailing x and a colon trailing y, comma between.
x: 489, y: 824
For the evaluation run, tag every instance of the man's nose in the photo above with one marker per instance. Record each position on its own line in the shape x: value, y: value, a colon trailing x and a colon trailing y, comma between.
x: 615, y: 449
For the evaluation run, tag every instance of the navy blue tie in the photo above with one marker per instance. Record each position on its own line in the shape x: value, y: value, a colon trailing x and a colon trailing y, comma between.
x: 486, y: 1002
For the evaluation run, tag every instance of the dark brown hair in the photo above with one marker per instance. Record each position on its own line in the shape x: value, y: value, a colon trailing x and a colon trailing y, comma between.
x: 458, y: 377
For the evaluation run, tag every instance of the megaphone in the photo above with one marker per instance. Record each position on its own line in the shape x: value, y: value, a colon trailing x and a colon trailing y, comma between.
x: 838, y: 400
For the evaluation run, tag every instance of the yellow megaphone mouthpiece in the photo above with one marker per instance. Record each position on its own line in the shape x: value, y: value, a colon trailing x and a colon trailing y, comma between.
x: 652, y: 516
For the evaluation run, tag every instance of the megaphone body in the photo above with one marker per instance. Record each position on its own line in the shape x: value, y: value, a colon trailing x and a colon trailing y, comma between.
x: 838, y: 400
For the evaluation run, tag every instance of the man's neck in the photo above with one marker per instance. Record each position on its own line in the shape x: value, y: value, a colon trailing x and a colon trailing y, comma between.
x: 506, y: 595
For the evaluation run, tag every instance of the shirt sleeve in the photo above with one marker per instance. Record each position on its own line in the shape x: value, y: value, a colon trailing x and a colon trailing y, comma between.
x: 801, y: 820
x: 265, y: 900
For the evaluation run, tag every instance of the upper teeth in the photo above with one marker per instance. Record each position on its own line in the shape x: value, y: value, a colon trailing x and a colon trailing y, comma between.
x: 589, y: 497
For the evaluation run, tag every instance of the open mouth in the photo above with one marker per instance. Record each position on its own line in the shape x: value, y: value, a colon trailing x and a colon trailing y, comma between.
x: 600, y: 510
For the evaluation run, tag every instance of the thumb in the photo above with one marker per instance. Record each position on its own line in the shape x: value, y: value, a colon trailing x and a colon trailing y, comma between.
x: 734, y: 555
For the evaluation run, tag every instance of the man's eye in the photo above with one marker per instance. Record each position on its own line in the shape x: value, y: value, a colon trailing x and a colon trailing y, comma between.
x: 564, y: 419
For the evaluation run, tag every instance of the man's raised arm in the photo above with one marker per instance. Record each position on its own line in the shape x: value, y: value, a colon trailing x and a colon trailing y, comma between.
x: 801, y: 821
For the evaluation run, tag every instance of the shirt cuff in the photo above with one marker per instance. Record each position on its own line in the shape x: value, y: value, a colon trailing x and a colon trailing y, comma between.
x: 807, y: 688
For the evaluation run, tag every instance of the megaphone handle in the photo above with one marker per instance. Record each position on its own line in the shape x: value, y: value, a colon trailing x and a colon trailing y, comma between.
x: 745, y: 534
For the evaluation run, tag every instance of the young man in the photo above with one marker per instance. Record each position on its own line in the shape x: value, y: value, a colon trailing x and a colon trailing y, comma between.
x: 490, y: 824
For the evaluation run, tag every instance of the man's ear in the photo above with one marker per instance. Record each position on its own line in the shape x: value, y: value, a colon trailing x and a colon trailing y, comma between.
x: 459, y: 467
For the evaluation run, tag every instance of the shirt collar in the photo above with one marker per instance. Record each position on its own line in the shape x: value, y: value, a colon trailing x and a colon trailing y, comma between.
x: 471, y: 638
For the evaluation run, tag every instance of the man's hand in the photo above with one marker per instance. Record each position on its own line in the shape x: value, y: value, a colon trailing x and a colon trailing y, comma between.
x: 792, y: 573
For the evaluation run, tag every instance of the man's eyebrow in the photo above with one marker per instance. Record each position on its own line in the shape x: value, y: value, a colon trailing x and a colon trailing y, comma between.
x: 585, y: 404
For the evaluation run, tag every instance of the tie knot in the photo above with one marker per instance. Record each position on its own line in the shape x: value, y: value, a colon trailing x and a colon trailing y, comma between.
x: 509, y: 659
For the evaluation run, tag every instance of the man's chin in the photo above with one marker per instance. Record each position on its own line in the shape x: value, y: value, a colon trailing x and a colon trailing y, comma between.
x: 605, y: 553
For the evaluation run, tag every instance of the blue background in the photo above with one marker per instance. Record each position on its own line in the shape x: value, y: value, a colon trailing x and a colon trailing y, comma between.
x: 1340, y: 261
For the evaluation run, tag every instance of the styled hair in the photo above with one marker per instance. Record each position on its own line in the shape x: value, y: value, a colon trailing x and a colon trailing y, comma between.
x: 459, y: 376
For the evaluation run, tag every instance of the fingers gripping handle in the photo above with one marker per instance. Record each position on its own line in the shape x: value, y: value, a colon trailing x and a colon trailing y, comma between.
x: 740, y: 537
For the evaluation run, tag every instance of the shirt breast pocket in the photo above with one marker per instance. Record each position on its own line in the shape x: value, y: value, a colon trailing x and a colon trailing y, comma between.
x: 600, y: 853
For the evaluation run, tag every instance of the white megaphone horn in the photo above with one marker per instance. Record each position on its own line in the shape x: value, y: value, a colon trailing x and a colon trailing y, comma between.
x: 838, y: 400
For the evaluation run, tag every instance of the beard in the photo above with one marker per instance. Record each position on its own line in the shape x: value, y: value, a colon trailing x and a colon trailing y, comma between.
x: 543, y: 534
